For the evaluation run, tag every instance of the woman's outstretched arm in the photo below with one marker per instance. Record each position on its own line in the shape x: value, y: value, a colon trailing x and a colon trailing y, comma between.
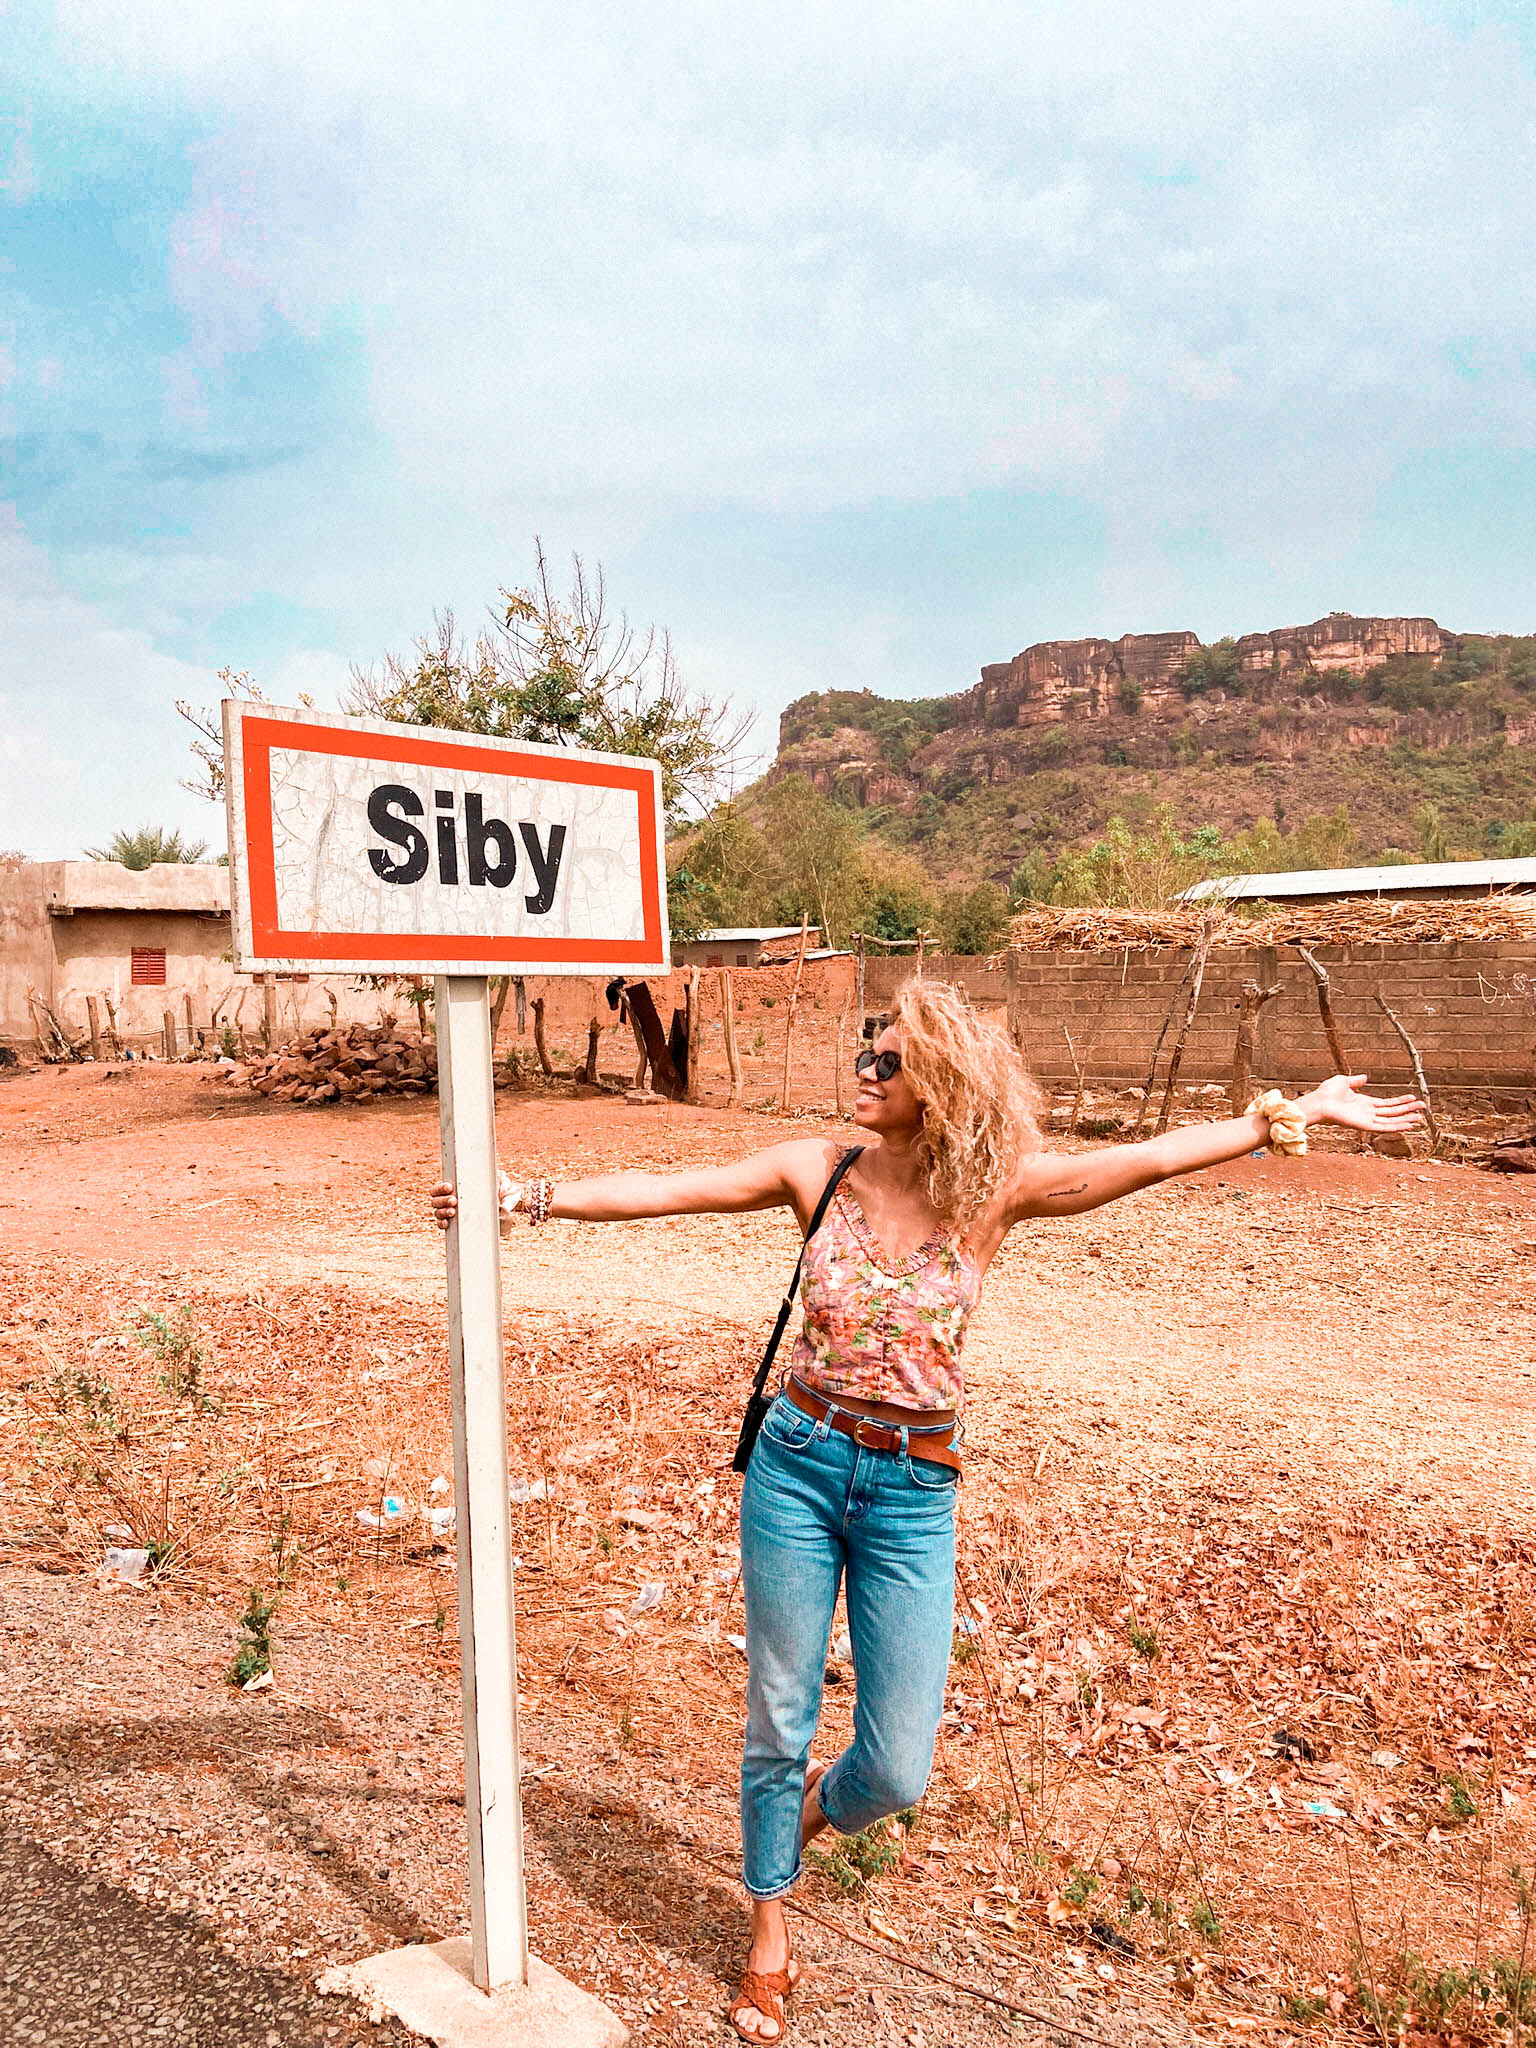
x: 1066, y: 1184
x: 775, y: 1178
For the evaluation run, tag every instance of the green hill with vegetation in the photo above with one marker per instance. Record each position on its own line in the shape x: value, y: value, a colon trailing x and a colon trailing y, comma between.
x: 944, y: 812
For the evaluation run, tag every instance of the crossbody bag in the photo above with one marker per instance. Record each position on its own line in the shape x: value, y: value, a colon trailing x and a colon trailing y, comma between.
x: 760, y: 1401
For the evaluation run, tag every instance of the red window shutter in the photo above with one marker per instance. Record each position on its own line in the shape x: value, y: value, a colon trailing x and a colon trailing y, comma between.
x: 148, y: 969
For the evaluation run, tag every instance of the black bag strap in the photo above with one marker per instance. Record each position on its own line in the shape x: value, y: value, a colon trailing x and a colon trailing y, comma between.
x: 786, y: 1306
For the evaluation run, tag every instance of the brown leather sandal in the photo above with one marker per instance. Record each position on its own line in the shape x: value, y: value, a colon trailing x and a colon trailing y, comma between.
x: 763, y: 1994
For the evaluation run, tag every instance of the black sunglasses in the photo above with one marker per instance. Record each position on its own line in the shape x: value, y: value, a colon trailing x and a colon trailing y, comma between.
x: 884, y: 1064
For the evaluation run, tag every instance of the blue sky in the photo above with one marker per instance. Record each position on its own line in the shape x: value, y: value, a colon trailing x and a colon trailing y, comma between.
x: 861, y: 346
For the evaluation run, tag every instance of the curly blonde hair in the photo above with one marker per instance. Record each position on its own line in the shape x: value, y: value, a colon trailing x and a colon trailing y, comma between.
x: 979, y: 1103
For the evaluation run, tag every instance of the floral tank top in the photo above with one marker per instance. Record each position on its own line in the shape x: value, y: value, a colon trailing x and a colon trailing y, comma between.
x: 881, y: 1329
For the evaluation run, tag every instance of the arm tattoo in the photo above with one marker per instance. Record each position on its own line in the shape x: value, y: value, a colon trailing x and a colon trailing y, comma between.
x: 1060, y: 1194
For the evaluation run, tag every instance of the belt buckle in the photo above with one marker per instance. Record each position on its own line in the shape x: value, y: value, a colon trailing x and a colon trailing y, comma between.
x: 864, y: 1422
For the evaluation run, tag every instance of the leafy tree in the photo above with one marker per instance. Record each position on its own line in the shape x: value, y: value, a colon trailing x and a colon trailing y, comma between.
x: 899, y: 901
x: 815, y: 847
x: 1035, y: 881
x: 721, y: 874
x: 151, y: 846
x: 560, y: 671
x: 1517, y: 842
x: 974, y: 920
x: 1433, y: 844
x: 1212, y: 668
x: 898, y: 726
x: 1144, y: 873
x: 1317, y: 842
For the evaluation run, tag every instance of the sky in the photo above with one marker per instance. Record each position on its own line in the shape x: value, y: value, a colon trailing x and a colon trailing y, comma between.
x: 860, y: 345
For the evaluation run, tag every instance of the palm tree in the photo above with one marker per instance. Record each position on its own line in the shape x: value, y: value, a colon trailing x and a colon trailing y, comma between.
x: 149, y: 847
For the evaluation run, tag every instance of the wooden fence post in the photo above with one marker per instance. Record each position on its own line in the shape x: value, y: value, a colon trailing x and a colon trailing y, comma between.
x: 168, y: 1033
x: 695, y: 1034
x: 1175, y: 1058
x: 858, y: 984
x: 1418, y: 1073
x: 1336, y: 1052
x: 545, y: 1063
x: 1015, y: 999
x: 497, y: 1007
x: 837, y: 1051
x: 95, y: 1026
x: 1250, y: 1003
x: 794, y: 1004
x: 1157, y: 1051
x: 728, y: 1020
x: 269, y: 1010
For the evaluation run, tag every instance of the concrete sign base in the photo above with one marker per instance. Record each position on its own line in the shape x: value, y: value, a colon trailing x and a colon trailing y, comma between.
x: 431, y: 1990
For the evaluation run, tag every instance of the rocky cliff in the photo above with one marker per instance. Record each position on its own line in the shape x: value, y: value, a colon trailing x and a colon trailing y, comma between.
x: 1273, y: 721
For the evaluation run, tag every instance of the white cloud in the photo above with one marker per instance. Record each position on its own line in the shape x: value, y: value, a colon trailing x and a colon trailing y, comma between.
x: 1213, y: 272
x: 1208, y: 263
x: 89, y: 737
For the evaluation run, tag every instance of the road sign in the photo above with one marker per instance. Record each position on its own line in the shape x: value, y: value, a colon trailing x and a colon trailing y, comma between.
x: 363, y: 847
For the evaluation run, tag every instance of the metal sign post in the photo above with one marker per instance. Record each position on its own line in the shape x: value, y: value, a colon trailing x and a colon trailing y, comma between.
x: 363, y: 847
x: 487, y: 1625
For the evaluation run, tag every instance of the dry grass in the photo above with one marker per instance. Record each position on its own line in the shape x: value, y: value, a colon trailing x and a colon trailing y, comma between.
x: 1272, y: 1770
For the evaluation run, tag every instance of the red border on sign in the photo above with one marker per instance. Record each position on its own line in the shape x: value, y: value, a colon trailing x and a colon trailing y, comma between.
x: 260, y: 735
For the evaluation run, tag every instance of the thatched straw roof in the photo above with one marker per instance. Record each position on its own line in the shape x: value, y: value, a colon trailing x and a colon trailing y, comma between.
x: 1361, y: 921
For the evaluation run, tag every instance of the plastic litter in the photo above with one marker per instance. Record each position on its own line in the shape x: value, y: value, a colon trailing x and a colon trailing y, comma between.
x: 440, y: 1521
x: 650, y: 1595
x: 1324, y: 1809
x: 521, y: 1491
x: 842, y: 1649
x: 439, y: 1485
x: 390, y: 1514
x: 118, y: 1532
x: 127, y: 1565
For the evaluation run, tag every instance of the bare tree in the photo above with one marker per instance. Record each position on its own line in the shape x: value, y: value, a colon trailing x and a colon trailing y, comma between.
x: 561, y: 671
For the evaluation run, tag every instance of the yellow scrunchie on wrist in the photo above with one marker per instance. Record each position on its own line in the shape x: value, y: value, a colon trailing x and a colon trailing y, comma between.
x: 1287, y: 1124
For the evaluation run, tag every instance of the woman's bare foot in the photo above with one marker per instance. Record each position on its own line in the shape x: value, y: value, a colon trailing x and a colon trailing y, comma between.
x: 812, y: 1819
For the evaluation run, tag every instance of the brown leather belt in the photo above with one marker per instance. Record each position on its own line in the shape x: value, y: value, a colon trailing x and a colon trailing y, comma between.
x: 869, y: 1434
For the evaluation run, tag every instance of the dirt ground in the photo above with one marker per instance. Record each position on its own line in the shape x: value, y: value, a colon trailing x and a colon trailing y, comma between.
x: 1242, y: 1727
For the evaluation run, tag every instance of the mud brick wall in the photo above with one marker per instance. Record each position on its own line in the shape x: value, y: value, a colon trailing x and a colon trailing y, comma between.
x: 1470, y: 1009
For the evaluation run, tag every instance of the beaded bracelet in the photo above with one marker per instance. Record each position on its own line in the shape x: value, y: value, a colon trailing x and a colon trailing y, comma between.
x: 530, y: 1199
x: 1287, y: 1123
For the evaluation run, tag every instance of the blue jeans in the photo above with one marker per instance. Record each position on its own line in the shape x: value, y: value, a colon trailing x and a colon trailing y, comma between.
x: 816, y: 1508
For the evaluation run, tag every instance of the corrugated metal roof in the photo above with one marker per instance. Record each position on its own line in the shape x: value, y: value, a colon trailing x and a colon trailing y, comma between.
x: 760, y: 932
x: 1433, y: 874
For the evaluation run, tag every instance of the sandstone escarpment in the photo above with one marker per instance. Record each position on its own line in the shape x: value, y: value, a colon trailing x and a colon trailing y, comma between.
x: 1150, y: 696
x: 1370, y: 717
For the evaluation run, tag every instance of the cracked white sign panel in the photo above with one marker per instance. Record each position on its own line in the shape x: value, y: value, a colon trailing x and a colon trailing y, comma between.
x: 360, y: 846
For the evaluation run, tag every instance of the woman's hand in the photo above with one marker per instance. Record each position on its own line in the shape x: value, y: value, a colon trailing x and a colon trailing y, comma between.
x: 1338, y: 1100
x: 445, y: 1202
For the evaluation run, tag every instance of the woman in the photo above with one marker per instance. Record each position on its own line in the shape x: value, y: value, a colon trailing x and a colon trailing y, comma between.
x: 854, y: 1474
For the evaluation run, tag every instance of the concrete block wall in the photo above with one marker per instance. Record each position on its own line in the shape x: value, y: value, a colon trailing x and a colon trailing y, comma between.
x: 1469, y: 1007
